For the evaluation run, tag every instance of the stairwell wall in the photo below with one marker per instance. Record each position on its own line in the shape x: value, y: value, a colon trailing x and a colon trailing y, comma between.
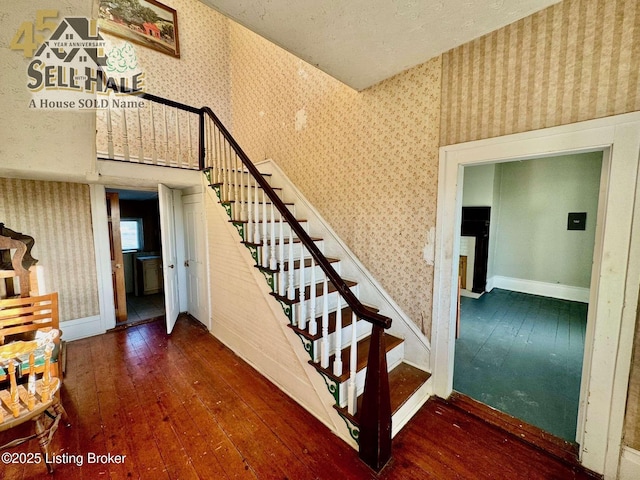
x: 366, y: 160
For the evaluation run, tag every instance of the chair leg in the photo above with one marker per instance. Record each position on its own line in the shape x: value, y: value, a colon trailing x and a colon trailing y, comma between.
x: 59, y: 409
x: 43, y: 440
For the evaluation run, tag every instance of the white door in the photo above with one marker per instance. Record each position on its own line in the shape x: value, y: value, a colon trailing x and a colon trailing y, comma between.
x: 169, y: 257
x: 195, y: 257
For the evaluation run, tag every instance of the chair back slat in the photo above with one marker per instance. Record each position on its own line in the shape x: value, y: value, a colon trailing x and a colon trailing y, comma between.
x: 20, y: 315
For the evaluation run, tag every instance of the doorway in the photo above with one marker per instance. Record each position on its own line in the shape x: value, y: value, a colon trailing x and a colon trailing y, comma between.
x: 610, y: 328
x: 520, y: 346
x: 135, y: 246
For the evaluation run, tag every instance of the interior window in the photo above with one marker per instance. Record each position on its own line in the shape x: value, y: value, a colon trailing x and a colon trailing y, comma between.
x: 131, y: 234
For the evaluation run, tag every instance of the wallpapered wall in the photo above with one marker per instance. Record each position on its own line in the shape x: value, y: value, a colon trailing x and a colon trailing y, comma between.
x: 367, y: 161
x: 201, y: 75
x: 58, y: 217
x: 574, y: 61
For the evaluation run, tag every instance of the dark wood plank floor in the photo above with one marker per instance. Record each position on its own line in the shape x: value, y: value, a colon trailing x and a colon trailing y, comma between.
x: 185, y: 407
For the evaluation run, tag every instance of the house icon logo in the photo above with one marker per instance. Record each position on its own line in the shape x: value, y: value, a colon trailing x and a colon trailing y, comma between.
x: 76, y: 68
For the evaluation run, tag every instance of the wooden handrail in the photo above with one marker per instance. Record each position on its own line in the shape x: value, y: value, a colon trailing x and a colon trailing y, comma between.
x: 304, y: 237
x: 375, y: 417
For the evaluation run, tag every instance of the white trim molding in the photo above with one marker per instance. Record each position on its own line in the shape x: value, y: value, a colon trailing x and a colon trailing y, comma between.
x: 629, y: 464
x: 544, y: 289
x: 81, y: 328
x: 615, y: 275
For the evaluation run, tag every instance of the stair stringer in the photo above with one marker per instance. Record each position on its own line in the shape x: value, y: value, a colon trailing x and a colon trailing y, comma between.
x: 282, y: 359
x: 417, y: 346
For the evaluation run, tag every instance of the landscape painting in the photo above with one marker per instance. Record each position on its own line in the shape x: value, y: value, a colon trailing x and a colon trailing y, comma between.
x: 146, y: 22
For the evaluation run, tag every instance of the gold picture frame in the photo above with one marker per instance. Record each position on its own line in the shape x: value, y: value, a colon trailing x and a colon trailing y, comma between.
x: 146, y: 22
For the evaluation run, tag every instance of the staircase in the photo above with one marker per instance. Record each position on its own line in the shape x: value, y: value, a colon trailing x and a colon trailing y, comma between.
x: 337, y: 341
x: 369, y: 363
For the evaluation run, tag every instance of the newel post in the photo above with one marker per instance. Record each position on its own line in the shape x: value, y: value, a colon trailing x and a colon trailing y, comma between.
x: 375, y: 415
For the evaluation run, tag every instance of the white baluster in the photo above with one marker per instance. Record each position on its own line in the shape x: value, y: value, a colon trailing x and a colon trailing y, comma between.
x: 281, y: 276
x: 337, y: 364
x: 265, y: 248
x: 190, y: 146
x: 227, y: 162
x: 243, y: 192
x: 302, y: 324
x: 324, y: 350
x: 273, y: 261
x: 140, y: 148
x: 352, y: 399
x: 166, y: 134
x: 249, y: 224
x: 125, y: 136
x: 215, y: 174
x: 313, y: 323
x: 291, y: 290
x: 256, y: 234
x: 154, y: 156
x: 237, y: 211
x: 110, y: 153
x: 178, y: 159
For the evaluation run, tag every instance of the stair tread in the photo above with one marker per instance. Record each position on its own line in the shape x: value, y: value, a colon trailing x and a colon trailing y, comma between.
x: 307, y: 292
x: 286, y: 241
x: 289, y: 204
x: 296, y: 264
x: 217, y: 184
x: 242, y: 170
x: 391, y: 342
x: 346, y: 321
x: 404, y: 381
x: 300, y: 220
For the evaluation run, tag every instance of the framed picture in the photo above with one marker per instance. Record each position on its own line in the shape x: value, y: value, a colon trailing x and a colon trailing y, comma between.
x: 146, y: 22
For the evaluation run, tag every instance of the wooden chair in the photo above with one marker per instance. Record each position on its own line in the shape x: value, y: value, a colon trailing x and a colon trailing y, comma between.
x: 27, y: 318
x: 6, y: 245
x: 35, y: 400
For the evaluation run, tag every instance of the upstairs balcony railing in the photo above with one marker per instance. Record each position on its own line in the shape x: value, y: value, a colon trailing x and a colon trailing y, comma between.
x: 163, y: 132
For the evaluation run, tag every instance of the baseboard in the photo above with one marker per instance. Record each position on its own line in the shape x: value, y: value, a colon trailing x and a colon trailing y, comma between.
x: 629, y: 464
x: 553, y: 290
x: 81, y: 328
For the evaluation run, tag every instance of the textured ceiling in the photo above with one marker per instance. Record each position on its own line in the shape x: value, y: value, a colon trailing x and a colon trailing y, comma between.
x: 362, y: 42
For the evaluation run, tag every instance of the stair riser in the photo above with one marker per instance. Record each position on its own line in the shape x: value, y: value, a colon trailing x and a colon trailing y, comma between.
x: 363, y: 329
x: 394, y: 357
x: 332, y: 304
x: 237, y: 213
x: 243, y: 178
x: 241, y: 193
x: 296, y: 250
x: 307, y: 274
x: 261, y: 215
x: 286, y: 228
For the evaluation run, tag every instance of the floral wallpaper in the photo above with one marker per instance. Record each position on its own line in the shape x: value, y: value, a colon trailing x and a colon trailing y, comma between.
x: 200, y: 77
x: 368, y: 161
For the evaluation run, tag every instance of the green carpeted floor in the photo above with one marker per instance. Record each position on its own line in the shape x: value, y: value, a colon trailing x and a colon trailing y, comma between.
x: 522, y: 354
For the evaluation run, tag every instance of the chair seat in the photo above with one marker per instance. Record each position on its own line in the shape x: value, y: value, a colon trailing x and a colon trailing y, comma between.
x: 8, y: 418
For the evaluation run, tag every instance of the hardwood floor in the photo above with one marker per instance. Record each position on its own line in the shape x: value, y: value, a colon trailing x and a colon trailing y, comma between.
x: 185, y: 407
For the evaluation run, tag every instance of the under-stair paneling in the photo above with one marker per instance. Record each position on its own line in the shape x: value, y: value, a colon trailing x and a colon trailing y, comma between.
x: 367, y: 161
x: 58, y: 216
x: 574, y: 61
x: 251, y: 322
